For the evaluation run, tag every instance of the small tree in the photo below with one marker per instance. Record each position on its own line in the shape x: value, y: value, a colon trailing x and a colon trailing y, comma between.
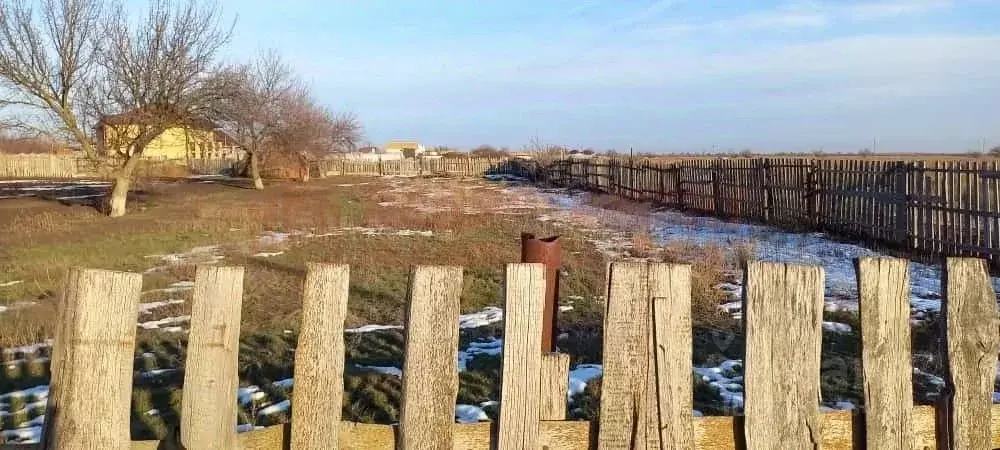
x: 995, y: 151
x: 307, y: 132
x: 250, y: 112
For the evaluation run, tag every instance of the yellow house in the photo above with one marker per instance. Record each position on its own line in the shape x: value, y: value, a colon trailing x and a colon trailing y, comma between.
x: 409, y: 149
x: 197, y: 139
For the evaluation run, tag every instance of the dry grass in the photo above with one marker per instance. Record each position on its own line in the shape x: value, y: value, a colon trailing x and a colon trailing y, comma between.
x: 40, y: 240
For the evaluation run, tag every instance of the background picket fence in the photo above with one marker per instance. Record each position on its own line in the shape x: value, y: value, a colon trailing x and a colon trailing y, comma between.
x: 947, y: 207
x: 646, y: 397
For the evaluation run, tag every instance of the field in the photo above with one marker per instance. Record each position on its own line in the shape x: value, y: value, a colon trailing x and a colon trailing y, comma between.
x: 382, y: 227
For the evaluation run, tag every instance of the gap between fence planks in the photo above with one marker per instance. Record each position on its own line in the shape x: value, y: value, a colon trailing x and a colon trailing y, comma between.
x: 783, y: 315
x: 319, y: 358
x: 92, y: 361
x: 430, y: 371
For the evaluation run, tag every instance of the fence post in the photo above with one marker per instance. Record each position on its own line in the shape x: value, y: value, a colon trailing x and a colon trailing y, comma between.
x: 554, y: 386
x: 92, y: 361
x: 765, y: 180
x: 319, y: 358
x: 208, y: 407
x: 884, y: 301
x: 626, y: 394
x: 670, y: 338
x: 520, y: 386
x: 902, y: 217
x: 430, y: 372
x: 679, y: 184
x: 812, y: 194
x: 970, y: 315
x: 783, y: 314
x: 716, y: 192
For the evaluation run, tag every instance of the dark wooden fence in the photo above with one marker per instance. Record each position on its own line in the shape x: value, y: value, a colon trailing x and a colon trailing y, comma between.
x: 646, y: 394
x: 947, y: 207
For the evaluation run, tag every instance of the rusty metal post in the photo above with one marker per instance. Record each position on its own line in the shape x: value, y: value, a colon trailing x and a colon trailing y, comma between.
x: 547, y: 251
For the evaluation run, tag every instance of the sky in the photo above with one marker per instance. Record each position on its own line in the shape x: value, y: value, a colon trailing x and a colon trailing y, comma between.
x: 665, y: 76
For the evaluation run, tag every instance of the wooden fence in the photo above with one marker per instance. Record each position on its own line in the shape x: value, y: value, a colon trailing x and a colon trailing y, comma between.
x: 646, y: 395
x: 463, y: 167
x: 69, y: 166
x: 932, y: 207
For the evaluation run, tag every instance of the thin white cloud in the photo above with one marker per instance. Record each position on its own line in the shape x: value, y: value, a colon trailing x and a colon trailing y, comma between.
x: 800, y: 15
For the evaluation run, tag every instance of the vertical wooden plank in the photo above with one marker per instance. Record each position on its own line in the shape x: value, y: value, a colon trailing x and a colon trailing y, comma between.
x: 520, y: 386
x: 884, y: 301
x: 208, y: 409
x: 91, y: 385
x: 319, y: 358
x: 970, y: 314
x: 430, y: 370
x: 783, y: 313
x: 554, y: 387
x: 624, y: 414
x: 670, y: 290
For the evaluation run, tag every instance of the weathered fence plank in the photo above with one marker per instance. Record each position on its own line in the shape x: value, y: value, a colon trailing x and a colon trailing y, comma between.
x: 319, y: 358
x: 970, y: 314
x: 783, y: 313
x: 208, y: 408
x: 430, y: 371
x: 555, y: 386
x: 884, y: 301
x: 670, y: 290
x: 520, y: 383
x: 91, y: 386
x: 625, y: 389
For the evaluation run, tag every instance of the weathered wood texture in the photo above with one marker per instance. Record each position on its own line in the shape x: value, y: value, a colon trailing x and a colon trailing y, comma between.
x: 554, y: 386
x: 627, y: 418
x: 783, y: 312
x: 670, y: 290
x: 208, y: 407
x: 884, y: 301
x: 319, y: 359
x: 970, y: 314
x: 430, y: 371
x: 91, y: 387
x: 520, y: 383
x: 839, y: 432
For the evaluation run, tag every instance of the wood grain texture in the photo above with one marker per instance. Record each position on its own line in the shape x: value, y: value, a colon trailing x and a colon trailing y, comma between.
x: 520, y: 382
x: 670, y: 290
x: 92, y: 357
x: 208, y: 408
x: 319, y: 358
x: 783, y: 313
x: 840, y: 431
x: 553, y: 394
x: 625, y: 387
x: 430, y: 372
x: 884, y: 301
x: 970, y: 314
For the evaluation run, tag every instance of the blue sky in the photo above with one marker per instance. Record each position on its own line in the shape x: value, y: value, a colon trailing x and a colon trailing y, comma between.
x: 919, y: 75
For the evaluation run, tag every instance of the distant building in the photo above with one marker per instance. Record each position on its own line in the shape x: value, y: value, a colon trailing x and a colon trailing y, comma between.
x: 193, y: 139
x: 409, y: 149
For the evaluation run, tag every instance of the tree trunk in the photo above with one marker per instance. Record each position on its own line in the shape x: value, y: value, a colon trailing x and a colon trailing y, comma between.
x: 119, y: 195
x: 258, y: 183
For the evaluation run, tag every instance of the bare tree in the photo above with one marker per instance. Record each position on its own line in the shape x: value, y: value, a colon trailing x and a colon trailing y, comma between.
x: 154, y: 74
x: 250, y: 112
x: 47, y: 57
x: 109, y: 85
x: 307, y: 132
